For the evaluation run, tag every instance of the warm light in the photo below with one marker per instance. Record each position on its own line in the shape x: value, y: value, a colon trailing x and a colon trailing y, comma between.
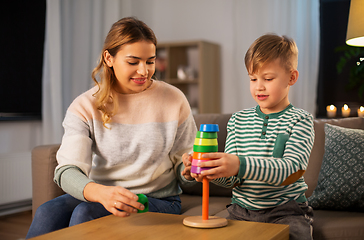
x: 361, y: 112
x: 331, y: 111
x: 345, y: 110
x: 355, y: 30
x: 356, y: 42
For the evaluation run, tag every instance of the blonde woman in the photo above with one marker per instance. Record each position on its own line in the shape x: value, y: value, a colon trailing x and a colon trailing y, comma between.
x: 123, y: 137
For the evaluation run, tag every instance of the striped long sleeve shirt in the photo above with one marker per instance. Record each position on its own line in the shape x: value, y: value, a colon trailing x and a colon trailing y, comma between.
x: 273, y: 150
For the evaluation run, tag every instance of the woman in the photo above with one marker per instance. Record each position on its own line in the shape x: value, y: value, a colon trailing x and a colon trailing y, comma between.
x: 123, y: 137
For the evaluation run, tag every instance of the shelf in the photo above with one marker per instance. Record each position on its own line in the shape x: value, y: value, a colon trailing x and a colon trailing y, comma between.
x: 199, y: 80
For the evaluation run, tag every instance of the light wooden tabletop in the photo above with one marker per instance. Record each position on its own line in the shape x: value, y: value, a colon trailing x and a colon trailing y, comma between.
x: 165, y: 226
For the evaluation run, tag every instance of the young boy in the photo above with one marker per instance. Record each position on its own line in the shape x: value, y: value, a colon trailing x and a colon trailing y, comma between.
x: 268, y: 146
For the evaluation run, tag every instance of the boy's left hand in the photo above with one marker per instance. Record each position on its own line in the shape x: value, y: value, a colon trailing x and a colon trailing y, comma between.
x: 224, y: 165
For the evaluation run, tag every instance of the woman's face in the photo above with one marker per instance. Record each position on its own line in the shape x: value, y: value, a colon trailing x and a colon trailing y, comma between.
x: 134, y: 66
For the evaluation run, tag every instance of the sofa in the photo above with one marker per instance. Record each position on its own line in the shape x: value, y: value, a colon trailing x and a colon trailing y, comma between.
x: 328, y: 223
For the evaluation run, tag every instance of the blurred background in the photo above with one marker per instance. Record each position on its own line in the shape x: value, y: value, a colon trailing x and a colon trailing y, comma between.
x: 51, y: 46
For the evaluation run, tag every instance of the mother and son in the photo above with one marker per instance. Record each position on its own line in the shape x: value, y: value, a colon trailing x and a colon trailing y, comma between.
x: 132, y: 134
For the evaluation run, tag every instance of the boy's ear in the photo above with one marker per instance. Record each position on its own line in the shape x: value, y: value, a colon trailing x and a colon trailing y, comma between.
x: 294, y: 77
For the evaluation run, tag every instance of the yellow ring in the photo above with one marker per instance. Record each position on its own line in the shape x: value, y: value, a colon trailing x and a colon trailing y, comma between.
x: 206, y: 141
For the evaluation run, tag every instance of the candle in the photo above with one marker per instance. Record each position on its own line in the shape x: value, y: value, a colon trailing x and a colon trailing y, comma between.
x: 345, y: 111
x: 331, y: 111
x: 361, y: 112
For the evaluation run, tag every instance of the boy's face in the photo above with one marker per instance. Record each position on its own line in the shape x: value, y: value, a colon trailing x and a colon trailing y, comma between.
x: 270, y: 85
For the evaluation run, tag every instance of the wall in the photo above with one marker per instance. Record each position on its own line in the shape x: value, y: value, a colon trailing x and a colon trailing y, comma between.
x: 198, y: 20
x: 16, y: 141
x: 20, y: 136
x: 234, y: 25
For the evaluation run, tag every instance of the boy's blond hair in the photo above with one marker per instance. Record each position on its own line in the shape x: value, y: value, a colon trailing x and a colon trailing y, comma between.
x: 270, y: 47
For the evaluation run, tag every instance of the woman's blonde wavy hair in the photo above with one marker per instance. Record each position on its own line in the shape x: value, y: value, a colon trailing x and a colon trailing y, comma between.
x: 125, y: 31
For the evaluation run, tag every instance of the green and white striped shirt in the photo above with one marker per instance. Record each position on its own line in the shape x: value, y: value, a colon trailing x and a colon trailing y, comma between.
x: 273, y: 150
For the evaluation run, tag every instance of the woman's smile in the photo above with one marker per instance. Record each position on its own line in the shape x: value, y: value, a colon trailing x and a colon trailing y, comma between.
x: 140, y: 81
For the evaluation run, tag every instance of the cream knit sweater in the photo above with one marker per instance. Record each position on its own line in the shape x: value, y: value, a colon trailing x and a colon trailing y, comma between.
x: 141, y: 150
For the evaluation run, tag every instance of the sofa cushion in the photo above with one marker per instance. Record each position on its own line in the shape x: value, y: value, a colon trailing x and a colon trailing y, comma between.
x: 43, y: 165
x: 334, y: 225
x: 314, y: 165
x: 341, y: 180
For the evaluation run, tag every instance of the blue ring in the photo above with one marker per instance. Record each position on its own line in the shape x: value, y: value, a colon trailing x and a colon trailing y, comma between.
x: 209, y: 128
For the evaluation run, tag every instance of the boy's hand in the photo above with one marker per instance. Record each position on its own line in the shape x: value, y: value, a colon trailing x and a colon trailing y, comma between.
x: 187, y: 161
x: 224, y: 165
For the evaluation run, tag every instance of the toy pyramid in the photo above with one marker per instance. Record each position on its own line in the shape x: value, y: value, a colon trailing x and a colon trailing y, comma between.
x: 205, y: 142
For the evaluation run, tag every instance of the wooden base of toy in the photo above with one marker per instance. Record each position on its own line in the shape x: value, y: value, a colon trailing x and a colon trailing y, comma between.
x: 198, y: 222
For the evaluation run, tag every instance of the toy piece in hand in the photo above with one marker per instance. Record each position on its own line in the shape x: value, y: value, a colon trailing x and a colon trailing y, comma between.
x: 143, y: 200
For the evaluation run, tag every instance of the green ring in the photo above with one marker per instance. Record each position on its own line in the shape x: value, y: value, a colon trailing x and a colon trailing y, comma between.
x: 197, y: 148
x: 206, y: 134
x: 143, y: 200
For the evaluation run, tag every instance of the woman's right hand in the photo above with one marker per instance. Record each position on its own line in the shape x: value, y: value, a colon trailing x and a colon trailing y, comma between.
x: 187, y: 161
x: 117, y: 200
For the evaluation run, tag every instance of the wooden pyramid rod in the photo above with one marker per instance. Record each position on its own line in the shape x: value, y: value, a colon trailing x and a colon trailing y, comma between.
x: 206, y: 141
x: 205, y: 199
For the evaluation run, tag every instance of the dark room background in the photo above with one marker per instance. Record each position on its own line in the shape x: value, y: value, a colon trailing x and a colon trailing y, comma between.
x: 22, y: 38
x: 23, y: 24
x: 332, y: 86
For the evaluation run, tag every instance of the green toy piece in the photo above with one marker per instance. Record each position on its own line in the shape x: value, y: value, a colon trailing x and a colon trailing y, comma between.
x: 143, y: 200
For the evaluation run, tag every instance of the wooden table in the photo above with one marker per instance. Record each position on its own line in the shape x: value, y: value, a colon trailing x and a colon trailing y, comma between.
x: 165, y: 226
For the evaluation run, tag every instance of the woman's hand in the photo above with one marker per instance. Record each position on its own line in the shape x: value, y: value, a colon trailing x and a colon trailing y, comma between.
x: 117, y: 200
x: 187, y: 161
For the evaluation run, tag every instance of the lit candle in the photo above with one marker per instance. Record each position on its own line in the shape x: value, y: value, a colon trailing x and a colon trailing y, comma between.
x: 361, y: 111
x: 331, y: 111
x: 345, y: 111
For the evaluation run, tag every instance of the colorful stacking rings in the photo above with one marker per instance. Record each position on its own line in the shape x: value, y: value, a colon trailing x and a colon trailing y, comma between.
x: 205, y: 142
